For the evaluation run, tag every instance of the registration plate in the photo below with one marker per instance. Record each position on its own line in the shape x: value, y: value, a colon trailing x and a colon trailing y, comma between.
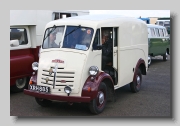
x: 38, y: 88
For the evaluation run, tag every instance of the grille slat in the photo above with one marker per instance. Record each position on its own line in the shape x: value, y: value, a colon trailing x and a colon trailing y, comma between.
x: 63, y: 77
x: 66, y: 79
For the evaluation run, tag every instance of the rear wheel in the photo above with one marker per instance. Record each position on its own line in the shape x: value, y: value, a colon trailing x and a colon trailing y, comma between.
x: 98, y: 104
x: 136, y: 84
x: 20, y: 85
x: 43, y: 102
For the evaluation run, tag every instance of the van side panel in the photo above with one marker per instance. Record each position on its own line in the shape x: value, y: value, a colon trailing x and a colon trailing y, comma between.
x: 157, y: 46
x: 133, y: 46
x: 20, y: 64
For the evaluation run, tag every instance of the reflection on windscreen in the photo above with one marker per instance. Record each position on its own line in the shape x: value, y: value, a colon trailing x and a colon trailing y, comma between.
x: 79, y: 39
x: 53, y: 37
x: 75, y: 37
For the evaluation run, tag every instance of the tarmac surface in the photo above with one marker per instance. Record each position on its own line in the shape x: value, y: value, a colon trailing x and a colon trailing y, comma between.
x: 153, y: 100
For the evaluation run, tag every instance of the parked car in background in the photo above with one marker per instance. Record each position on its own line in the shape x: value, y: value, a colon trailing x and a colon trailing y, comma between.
x: 166, y: 22
x: 159, y: 42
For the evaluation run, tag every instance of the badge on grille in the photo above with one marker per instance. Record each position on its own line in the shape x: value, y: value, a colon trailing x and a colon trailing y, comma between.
x: 50, y: 71
x: 63, y: 81
x: 57, y: 61
x: 47, y: 79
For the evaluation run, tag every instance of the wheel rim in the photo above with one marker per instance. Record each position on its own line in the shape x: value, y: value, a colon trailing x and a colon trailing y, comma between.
x: 166, y: 56
x: 138, y: 79
x: 100, y: 99
x: 149, y: 60
x: 20, y: 83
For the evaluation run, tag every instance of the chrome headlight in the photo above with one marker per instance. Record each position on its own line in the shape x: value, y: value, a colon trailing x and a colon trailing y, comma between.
x: 35, y: 66
x: 68, y: 90
x: 93, y: 70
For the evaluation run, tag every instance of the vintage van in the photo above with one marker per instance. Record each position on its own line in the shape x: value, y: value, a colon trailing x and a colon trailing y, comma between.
x: 159, y: 42
x: 26, y: 34
x: 71, y: 71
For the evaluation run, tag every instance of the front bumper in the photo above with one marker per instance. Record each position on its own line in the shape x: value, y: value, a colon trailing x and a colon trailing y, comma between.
x: 57, y: 97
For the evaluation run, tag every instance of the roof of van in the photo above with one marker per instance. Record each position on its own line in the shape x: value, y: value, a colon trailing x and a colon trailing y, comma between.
x: 97, y: 17
x: 93, y: 19
x: 153, y: 25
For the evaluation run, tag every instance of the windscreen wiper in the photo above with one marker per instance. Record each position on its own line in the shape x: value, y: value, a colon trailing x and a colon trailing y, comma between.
x: 73, y: 30
x: 54, y: 27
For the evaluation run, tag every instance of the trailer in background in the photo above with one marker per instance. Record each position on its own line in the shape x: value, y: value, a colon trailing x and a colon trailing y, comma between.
x: 26, y: 34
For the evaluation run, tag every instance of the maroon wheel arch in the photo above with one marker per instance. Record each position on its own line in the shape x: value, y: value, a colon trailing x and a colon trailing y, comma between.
x: 93, y: 85
x: 140, y: 64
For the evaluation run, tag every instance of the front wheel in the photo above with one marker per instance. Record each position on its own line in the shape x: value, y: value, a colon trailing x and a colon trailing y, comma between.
x: 97, y: 105
x: 136, y: 84
x: 43, y: 102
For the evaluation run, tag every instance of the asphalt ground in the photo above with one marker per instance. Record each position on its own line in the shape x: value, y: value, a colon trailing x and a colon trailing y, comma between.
x: 153, y: 100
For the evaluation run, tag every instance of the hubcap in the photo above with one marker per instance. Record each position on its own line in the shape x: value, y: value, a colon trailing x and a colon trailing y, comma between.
x: 138, y: 80
x: 20, y: 83
x: 166, y: 56
x: 149, y: 60
x: 101, y: 98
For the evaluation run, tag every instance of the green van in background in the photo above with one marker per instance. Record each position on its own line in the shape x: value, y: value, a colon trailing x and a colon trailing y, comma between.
x: 158, y: 41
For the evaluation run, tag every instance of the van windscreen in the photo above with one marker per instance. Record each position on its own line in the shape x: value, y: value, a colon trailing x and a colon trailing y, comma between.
x: 77, y: 37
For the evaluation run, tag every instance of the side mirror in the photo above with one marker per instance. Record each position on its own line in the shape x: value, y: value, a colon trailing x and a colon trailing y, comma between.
x: 14, y: 43
x: 99, y: 47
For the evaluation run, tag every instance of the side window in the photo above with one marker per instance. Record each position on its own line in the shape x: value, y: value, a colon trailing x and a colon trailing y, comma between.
x: 157, y: 32
x: 115, y: 37
x: 74, y: 14
x: 161, y: 23
x: 161, y: 32
x: 152, y: 32
x: 19, y: 34
x: 107, y: 34
x: 96, y: 39
x: 165, y: 32
x: 56, y: 16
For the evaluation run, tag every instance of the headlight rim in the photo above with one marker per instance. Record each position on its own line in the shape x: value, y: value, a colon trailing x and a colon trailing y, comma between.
x: 70, y: 90
x: 96, y: 70
x: 35, y: 66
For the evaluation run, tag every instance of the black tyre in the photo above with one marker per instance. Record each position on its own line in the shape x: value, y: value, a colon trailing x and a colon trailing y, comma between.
x: 136, y: 84
x: 43, y: 102
x: 20, y: 85
x: 98, y: 104
x: 165, y: 56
